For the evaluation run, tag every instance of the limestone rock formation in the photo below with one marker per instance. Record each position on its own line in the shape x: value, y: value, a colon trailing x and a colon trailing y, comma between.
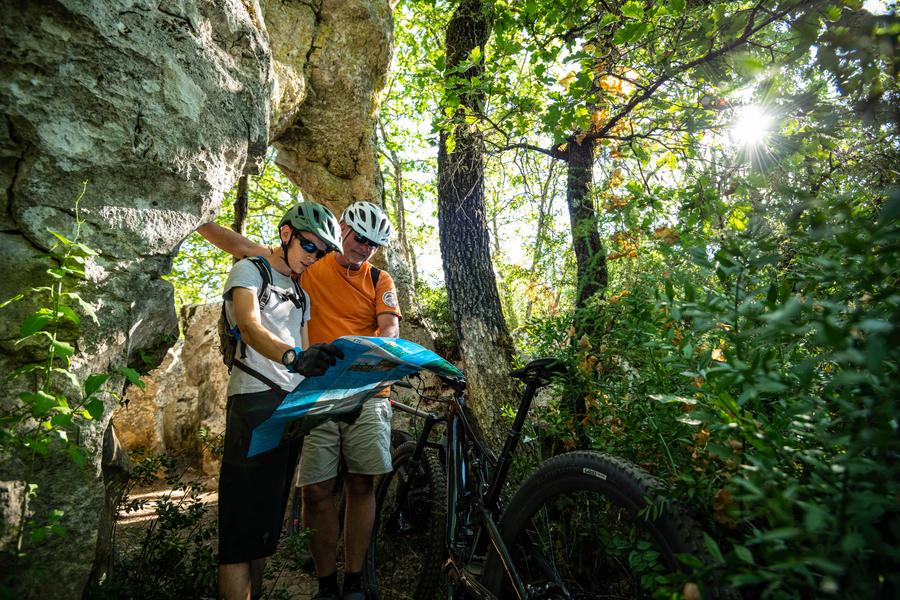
x: 181, y: 397
x: 324, y: 142
x: 158, y: 106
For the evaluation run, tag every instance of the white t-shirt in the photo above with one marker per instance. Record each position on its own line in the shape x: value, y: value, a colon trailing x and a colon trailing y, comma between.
x: 281, y: 316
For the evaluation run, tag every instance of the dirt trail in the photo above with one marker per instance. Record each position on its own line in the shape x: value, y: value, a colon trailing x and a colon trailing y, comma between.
x: 131, y: 529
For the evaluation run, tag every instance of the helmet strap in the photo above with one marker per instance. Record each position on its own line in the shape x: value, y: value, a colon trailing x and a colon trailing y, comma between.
x: 284, y: 249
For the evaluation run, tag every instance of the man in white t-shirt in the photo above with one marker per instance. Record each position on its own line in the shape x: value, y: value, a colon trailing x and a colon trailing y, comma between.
x: 270, y: 310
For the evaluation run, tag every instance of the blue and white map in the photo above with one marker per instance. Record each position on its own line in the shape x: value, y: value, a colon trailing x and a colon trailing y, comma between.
x: 369, y: 364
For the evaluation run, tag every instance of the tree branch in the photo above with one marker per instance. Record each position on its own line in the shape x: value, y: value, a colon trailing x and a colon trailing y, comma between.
x: 749, y: 30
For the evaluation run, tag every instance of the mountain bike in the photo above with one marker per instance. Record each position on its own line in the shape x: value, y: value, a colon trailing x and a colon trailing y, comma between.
x: 583, y: 525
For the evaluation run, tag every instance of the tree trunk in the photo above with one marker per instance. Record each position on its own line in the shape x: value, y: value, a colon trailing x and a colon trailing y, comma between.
x: 241, y: 203
x: 399, y: 208
x: 590, y: 256
x: 484, y: 340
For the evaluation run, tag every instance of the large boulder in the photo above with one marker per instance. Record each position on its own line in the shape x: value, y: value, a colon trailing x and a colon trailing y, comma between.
x: 325, y: 141
x: 182, y: 397
x: 159, y: 107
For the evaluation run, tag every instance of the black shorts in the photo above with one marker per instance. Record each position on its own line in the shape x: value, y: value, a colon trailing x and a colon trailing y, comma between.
x: 253, y: 492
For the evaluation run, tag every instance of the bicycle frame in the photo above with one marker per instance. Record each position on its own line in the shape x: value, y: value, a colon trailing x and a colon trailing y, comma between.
x: 473, y: 496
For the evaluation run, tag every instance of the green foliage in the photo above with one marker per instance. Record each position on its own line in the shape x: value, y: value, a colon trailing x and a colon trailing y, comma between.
x: 800, y: 405
x: 435, y: 310
x: 176, y: 557
x: 200, y: 269
x: 758, y: 375
x: 54, y: 404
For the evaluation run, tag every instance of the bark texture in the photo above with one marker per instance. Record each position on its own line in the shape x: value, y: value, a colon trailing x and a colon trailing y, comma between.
x: 485, y: 342
x: 590, y: 255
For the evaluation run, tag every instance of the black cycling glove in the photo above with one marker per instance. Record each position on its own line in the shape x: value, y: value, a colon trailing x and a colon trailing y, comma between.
x: 316, y: 359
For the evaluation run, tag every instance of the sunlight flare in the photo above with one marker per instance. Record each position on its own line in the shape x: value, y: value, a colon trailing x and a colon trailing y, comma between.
x: 751, y: 126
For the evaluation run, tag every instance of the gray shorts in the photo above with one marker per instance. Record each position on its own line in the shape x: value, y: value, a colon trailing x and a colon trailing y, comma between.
x: 365, y: 444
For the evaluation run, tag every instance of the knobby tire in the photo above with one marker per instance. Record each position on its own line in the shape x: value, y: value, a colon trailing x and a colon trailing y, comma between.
x: 580, y: 527
x: 407, y: 550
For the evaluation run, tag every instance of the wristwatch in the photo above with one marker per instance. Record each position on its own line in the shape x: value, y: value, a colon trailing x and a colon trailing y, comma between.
x: 289, y: 356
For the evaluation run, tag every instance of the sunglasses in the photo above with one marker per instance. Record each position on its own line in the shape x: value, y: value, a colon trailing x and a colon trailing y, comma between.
x: 310, y: 247
x: 364, y: 240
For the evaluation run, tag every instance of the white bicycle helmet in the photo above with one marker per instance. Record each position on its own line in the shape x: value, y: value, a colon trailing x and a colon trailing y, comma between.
x: 368, y: 220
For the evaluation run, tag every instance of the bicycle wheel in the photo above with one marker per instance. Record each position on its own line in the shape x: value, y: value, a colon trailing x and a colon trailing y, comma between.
x: 406, y: 553
x: 587, y: 525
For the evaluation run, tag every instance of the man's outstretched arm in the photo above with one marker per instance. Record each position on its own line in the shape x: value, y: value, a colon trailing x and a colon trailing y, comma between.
x: 231, y: 241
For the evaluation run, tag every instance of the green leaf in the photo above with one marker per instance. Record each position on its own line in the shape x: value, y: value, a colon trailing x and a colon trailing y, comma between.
x: 76, y: 454
x: 70, y: 314
x: 876, y: 326
x: 781, y: 533
x: 676, y: 7
x: 11, y: 300
x: 633, y: 10
x: 744, y: 554
x: 95, y: 408
x: 747, y: 64
x: 24, y: 369
x: 58, y: 530
x: 63, y: 349
x: 85, y: 251
x: 69, y: 375
x: 41, y: 402
x: 40, y: 445
x: 94, y: 383
x: 133, y: 376
x: 630, y: 32
x: 713, y: 548
x: 33, y: 324
x: 60, y: 237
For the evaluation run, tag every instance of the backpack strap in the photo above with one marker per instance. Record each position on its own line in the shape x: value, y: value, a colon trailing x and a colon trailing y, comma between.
x: 262, y: 296
x: 302, y: 295
x: 375, y: 273
x: 265, y: 271
x: 257, y: 375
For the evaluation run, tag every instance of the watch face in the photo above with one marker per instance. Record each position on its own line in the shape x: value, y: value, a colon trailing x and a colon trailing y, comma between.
x: 288, y: 357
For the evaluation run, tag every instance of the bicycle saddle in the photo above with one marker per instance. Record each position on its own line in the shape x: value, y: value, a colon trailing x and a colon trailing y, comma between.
x: 540, y: 369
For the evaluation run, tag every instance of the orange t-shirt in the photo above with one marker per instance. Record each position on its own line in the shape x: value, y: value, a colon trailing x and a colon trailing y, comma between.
x: 344, y: 302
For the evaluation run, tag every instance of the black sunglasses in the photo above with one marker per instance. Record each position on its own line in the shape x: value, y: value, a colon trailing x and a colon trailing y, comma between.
x: 364, y: 240
x: 311, y: 248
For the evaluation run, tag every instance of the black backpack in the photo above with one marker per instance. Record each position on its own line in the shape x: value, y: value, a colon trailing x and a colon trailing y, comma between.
x: 230, y: 342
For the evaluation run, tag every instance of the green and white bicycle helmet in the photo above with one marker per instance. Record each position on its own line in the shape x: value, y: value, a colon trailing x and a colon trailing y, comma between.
x: 317, y: 219
x: 368, y: 220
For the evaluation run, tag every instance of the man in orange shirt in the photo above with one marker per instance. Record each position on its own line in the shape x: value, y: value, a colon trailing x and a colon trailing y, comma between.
x: 348, y: 296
